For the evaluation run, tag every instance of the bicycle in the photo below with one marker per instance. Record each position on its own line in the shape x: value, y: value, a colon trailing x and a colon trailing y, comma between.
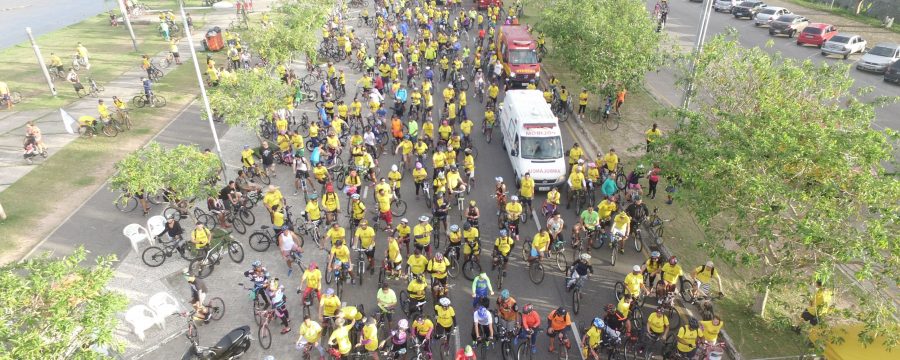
x: 56, y: 73
x: 576, y: 294
x: 523, y: 352
x: 154, y: 100
x: 261, y: 239
x: 154, y: 256
x: 604, y: 116
x: 206, y: 264
x: 691, y: 293
x: 535, y: 268
x: 453, y: 269
x: 614, y: 247
x: 127, y: 202
x: 471, y: 266
x: 264, y: 335
x: 339, y: 277
x: 404, y: 304
x: 15, y: 97
x: 637, y: 237
x: 444, y: 344
x: 562, y: 351
x: 483, y: 345
x: 216, y: 308
x: 557, y: 252
x: 578, y: 197
x: 656, y: 225
x: 105, y: 127
x: 123, y: 118
x: 256, y: 173
x: 361, y: 261
x: 78, y: 62
x: 487, y: 131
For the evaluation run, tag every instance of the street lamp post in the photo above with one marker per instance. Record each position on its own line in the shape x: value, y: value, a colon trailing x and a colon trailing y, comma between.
x: 127, y: 23
x: 698, y: 48
x: 40, y: 59
x: 209, y: 114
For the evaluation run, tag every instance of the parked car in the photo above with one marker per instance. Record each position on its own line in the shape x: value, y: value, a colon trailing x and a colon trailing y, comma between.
x: 844, y: 45
x: 816, y: 34
x: 892, y: 74
x: 725, y: 5
x: 789, y: 24
x: 747, y: 9
x: 879, y: 58
x: 769, y: 14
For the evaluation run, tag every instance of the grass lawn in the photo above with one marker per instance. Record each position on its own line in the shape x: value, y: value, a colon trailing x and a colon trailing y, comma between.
x: 36, y: 196
x: 752, y: 335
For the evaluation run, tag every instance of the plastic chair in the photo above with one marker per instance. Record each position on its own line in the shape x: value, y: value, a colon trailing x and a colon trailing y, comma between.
x: 142, y: 318
x: 164, y: 305
x: 156, y: 225
x: 136, y: 233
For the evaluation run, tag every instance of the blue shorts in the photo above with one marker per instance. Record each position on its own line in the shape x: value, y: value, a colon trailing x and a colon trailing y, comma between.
x: 534, y: 252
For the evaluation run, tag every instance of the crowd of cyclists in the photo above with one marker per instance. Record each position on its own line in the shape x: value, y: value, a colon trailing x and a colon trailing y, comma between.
x: 411, y: 41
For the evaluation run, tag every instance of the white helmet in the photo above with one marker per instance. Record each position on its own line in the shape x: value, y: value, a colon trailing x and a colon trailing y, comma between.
x: 445, y: 301
x: 394, y: 167
x: 585, y: 256
x: 498, y: 179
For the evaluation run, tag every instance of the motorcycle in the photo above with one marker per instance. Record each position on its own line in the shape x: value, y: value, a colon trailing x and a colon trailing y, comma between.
x: 232, y: 346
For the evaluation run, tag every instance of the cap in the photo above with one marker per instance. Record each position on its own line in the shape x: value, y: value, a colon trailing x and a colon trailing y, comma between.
x: 709, y: 263
x: 636, y: 268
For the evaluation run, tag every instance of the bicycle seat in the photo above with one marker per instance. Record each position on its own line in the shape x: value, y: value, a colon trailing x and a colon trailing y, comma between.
x: 232, y: 337
x: 264, y: 227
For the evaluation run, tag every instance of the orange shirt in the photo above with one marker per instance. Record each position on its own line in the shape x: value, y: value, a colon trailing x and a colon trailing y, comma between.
x: 558, y: 323
x: 621, y: 95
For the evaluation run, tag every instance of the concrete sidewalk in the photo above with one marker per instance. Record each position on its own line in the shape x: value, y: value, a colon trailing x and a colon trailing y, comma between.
x: 12, y: 123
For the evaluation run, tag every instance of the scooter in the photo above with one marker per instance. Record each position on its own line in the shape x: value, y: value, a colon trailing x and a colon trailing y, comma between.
x: 232, y: 346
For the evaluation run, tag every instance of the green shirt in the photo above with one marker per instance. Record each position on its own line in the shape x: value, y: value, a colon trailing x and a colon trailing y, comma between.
x: 413, y: 127
x: 590, y: 219
x: 387, y: 299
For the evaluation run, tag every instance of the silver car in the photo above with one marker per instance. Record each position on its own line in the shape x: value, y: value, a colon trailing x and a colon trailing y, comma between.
x: 769, y: 14
x: 844, y: 45
x: 879, y: 58
x: 725, y: 5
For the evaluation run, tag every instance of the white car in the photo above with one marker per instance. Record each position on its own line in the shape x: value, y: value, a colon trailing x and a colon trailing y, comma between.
x: 878, y: 58
x: 725, y: 5
x: 844, y: 45
x: 769, y: 14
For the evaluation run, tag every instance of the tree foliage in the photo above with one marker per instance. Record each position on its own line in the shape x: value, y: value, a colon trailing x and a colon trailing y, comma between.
x: 247, y: 96
x: 784, y: 171
x: 606, y: 42
x: 292, y: 29
x: 185, y: 170
x: 57, y: 308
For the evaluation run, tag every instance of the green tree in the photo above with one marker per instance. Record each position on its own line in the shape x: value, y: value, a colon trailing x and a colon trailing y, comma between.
x: 246, y: 97
x: 608, y: 43
x: 292, y: 29
x: 57, y: 308
x: 185, y: 170
x: 782, y: 167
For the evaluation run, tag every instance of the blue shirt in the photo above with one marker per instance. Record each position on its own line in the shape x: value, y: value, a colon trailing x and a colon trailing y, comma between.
x: 147, y: 84
x: 315, y: 155
x: 401, y: 95
x: 404, y: 28
x: 609, y: 187
x: 429, y: 74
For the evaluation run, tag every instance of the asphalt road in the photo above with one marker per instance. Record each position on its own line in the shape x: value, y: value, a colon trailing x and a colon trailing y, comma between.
x: 44, y: 16
x: 684, y: 19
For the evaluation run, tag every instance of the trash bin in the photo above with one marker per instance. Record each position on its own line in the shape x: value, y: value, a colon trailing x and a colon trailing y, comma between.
x: 213, y: 41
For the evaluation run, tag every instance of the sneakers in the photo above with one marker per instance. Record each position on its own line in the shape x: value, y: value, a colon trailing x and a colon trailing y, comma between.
x: 290, y: 271
x: 533, y: 349
x: 285, y: 330
x: 568, y: 344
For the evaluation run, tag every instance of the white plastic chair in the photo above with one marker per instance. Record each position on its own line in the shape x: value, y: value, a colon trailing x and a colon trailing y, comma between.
x: 156, y: 225
x: 136, y: 234
x: 142, y: 318
x: 164, y: 305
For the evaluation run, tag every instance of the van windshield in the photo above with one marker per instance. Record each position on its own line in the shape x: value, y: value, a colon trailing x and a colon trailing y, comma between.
x: 522, y: 57
x: 541, y: 148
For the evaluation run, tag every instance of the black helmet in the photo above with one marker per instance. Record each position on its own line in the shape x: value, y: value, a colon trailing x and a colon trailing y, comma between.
x: 560, y: 311
x: 693, y: 323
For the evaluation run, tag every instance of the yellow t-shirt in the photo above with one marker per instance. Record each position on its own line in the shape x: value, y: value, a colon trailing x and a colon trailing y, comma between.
x: 540, y: 241
x: 416, y: 289
x: 341, y: 253
x: 417, y: 263
x: 424, y: 327
x: 704, y: 274
x: 366, y: 237
x: 201, y: 237
x: 671, y: 273
x: 341, y: 337
x: 623, y: 307
x: 394, y: 252
x: 611, y: 160
x: 633, y: 283
x: 313, y: 278
x: 526, y: 188
x: 312, y: 332
x: 313, y: 210
x: 621, y: 221
x: 438, y: 269
x: 710, y: 331
x: 689, y: 336
x: 278, y: 219
x: 594, y: 336
x: 606, y: 208
x: 422, y: 234
x: 370, y: 333
x: 330, y: 305
x: 504, y: 244
x: 657, y: 322
x: 821, y: 303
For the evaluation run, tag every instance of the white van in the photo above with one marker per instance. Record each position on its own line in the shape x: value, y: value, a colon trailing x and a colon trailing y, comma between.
x: 532, y: 138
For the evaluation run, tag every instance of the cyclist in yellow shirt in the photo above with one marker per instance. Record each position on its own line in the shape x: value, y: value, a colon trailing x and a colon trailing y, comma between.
x: 513, y: 213
x: 621, y: 227
x: 575, y: 154
x: 592, y: 338
x: 582, y: 102
x: 423, y: 329
x: 437, y: 267
x: 445, y: 315
x: 422, y: 233
x: 312, y: 277
x: 357, y: 209
x: 200, y: 237
x: 539, y: 244
x: 335, y: 233
x: 671, y: 272
x: 526, y: 191
x: 634, y: 282
x: 687, y: 338
x: 340, y: 259
x: 503, y: 246
x: 365, y: 239
x: 103, y: 110
x: 328, y: 307
x: 416, y: 290
x: 709, y: 329
x: 703, y: 276
x: 657, y: 328
x: 417, y: 263
x: 611, y: 160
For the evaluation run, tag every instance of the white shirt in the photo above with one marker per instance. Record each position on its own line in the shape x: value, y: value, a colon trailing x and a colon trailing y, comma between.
x: 369, y: 138
x: 300, y: 164
x: 287, y: 241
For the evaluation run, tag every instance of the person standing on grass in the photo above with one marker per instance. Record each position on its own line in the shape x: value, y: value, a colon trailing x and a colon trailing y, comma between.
x: 652, y: 135
x: 83, y: 55
x: 620, y: 99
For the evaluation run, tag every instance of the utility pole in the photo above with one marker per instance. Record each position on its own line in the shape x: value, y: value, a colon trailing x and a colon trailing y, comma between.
x: 209, y: 114
x: 40, y: 59
x: 127, y: 23
x: 698, y: 48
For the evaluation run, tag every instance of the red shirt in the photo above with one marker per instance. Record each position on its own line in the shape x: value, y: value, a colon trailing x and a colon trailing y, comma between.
x: 461, y: 355
x: 531, y: 320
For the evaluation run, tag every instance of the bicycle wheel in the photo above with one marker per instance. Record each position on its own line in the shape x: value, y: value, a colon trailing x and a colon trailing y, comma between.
x: 599, y: 240
x: 562, y: 352
x: 659, y: 234
x: 471, y: 269
x: 611, y: 123
x: 138, y: 101
x: 329, y: 274
x: 398, y: 208
x: 536, y: 273
x: 561, y: 262
x: 453, y: 269
x: 638, y: 240
x: 246, y: 216
x: 506, y: 351
x: 110, y: 130
x: 265, y: 337
x: 619, y: 290
x: 613, y: 255
x: 201, y: 267
x: 235, y: 251
x: 263, y: 178
x: 404, y: 302
x: 260, y: 242
x: 208, y: 220
x: 159, y: 101
x: 576, y: 301
x: 238, y: 225
x: 153, y: 256
x: 126, y: 203
x: 189, y: 253
x: 216, y: 308
x: 621, y: 181
x: 687, y: 291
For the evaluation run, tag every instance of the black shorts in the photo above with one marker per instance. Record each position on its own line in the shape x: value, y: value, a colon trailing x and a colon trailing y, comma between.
x: 370, y: 253
x: 176, y: 55
x: 813, y: 320
x: 300, y: 174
